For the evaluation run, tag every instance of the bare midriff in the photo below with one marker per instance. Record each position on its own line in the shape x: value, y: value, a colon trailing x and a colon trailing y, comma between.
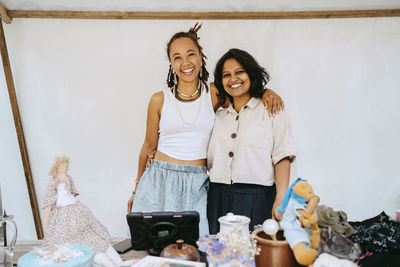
x: 163, y: 157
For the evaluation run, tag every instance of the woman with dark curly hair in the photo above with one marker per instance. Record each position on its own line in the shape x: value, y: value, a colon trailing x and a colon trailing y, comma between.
x: 250, y: 152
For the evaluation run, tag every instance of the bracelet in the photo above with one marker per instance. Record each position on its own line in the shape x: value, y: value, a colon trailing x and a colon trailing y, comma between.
x: 134, y: 192
x: 137, y: 181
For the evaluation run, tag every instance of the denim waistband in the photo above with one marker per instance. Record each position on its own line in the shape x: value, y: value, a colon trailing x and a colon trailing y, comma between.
x: 178, y: 167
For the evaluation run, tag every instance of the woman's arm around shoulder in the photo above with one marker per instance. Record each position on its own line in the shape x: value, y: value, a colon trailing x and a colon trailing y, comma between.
x: 273, y: 102
x: 215, y: 98
x: 151, y: 140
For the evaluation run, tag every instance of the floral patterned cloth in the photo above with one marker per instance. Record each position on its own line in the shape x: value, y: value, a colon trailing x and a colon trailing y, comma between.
x: 378, y: 234
x: 74, y: 223
x: 50, y: 197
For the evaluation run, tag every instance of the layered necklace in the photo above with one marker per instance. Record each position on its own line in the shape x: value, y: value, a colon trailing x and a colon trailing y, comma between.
x: 188, y: 96
x: 176, y: 98
x: 191, y: 97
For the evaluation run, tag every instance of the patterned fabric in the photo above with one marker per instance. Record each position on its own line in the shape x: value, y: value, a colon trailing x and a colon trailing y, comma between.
x: 378, y: 234
x: 50, y: 197
x: 173, y: 187
x: 74, y: 224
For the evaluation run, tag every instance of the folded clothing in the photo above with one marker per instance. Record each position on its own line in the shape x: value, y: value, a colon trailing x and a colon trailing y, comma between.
x: 336, y: 220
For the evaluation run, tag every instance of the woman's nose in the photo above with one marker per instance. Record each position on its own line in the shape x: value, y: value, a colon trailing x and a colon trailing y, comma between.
x: 185, y: 59
x: 233, y: 78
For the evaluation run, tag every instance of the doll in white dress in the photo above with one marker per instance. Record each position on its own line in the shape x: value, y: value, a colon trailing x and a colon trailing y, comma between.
x: 67, y: 220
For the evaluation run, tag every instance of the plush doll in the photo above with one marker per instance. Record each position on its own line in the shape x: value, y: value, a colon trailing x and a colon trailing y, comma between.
x: 338, y: 246
x: 300, y: 203
x: 67, y: 220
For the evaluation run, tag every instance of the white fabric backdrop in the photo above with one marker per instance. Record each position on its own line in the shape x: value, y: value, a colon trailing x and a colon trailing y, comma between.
x: 83, y: 88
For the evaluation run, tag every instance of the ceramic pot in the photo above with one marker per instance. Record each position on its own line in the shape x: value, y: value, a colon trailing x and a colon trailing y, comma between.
x: 181, y: 251
x: 273, y: 253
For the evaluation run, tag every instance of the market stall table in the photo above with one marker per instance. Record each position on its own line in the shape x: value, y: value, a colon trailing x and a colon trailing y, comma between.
x: 24, y: 246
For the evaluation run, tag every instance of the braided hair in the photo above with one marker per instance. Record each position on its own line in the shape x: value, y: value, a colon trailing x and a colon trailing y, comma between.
x: 192, y: 34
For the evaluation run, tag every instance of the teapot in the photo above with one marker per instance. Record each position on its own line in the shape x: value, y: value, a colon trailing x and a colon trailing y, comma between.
x: 7, y: 250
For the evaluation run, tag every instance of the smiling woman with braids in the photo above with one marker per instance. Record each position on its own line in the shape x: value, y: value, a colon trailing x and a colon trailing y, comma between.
x: 180, y: 119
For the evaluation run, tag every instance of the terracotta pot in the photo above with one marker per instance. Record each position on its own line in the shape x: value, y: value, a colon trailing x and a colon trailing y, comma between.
x: 273, y: 253
x: 181, y: 251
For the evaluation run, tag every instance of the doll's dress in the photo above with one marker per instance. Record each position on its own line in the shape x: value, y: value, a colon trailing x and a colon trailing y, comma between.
x: 70, y: 221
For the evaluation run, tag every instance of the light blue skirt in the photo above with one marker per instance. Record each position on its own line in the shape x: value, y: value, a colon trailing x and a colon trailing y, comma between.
x: 167, y: 186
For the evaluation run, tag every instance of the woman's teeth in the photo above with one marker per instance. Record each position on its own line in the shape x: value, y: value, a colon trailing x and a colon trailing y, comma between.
x: 236, y: 85
x: 188, y: 70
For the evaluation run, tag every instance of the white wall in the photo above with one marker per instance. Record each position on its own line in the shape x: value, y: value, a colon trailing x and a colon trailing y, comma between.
x: 83, y: 88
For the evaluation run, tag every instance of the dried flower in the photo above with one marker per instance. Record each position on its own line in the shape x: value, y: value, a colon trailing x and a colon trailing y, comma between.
x: 230, y: 247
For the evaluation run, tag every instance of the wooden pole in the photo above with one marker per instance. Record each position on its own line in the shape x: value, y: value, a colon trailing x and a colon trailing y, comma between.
x: 4, y: 15
x: 20, y: 133
x: 204, y: 15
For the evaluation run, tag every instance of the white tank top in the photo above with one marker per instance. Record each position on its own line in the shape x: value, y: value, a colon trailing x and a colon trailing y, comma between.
x: 185, y: 127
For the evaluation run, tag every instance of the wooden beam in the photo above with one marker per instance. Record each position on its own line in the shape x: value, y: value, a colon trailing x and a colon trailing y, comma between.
x: 204, y: 15
x: 20, y: 133
x: 4, y: 15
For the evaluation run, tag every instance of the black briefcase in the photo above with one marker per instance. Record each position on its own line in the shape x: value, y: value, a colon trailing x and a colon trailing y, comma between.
x: 155, y: 230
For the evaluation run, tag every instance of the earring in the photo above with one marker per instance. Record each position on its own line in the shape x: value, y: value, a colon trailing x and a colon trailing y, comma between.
x: 201, y: 72
x: 175, y: 78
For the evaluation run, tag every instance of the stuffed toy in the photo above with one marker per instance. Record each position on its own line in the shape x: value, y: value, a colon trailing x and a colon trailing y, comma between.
x: 67, y: 220
x: 338, y: 246
x: 298, y: 208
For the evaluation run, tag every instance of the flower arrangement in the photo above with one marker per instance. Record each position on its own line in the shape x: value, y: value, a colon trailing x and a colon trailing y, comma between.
x: 229, y: 249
